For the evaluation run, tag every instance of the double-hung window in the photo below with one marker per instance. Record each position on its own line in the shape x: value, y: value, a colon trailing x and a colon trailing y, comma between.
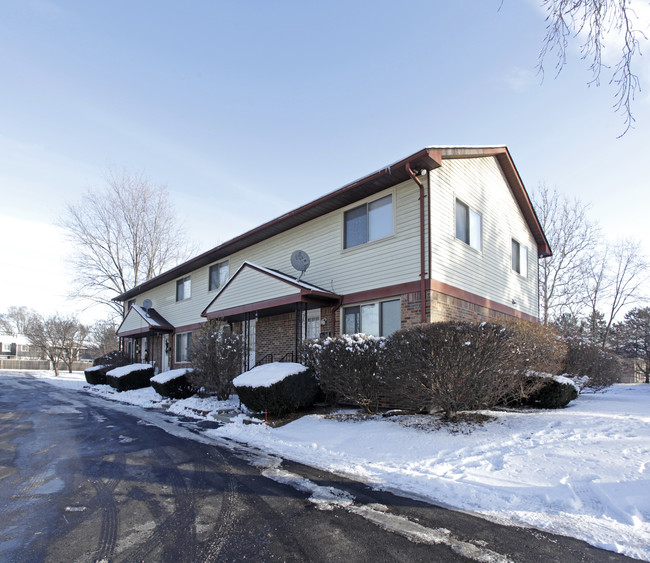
x: 378, y: 319
x: 183, y: 289
x: 370, y: 221
x: 519, y: 258
x: 468, y: 225
x: 183, y: 347
x: 218, y: 275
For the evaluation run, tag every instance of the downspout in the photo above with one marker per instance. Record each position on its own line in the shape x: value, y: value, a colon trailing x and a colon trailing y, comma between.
x: 423, y: 285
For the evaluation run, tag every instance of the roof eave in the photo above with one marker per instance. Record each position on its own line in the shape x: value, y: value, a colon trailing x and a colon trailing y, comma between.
x: 428, y: 158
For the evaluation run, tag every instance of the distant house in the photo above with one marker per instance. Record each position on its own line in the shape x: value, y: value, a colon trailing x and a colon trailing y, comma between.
x: 15, y: 347
x: 446, y: 233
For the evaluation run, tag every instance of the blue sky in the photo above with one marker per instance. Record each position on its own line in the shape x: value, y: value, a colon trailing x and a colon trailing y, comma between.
x: 248, y: 109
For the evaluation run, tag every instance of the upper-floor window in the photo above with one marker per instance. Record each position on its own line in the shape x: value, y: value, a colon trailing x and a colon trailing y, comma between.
x: 519, y: 258
x: 370, y: 221
x: 468, y: 225
x: 129, y: 304
x: 183, y: 289
x: 378, y: 319
x: 218, y: 275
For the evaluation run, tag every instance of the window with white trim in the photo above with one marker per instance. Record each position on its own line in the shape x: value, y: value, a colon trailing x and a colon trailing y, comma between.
x: 183, y: 289
x: 311, y: 324
x: 368, y: 222
x: 379, y: 319
x: 468, y: 225
x: 183, y: 347
x: 519, y: 258
x: 218, y: 275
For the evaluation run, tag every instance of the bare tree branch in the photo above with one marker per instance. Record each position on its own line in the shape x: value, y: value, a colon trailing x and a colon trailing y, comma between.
x: 596, y: 21
x: 123, y: 235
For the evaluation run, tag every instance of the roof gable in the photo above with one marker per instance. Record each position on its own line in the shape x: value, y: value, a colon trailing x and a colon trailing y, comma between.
x: 138, y: 321
x: 253, y: 287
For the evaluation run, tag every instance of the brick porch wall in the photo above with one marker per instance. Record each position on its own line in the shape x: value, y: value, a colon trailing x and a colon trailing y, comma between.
x: 275, y: 335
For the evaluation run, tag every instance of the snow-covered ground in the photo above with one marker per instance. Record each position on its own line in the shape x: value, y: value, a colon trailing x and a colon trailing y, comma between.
x: 583, y: 471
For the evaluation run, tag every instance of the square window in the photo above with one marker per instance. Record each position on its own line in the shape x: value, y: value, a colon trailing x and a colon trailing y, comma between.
x: 183, y: 289
x: 379, y: 319
x: 218, y: 275
x: 468, y: 225
x: 370, y: 221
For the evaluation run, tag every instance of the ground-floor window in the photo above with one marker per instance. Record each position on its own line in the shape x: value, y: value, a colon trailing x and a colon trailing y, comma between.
x: 379, y: 319
x: 183, y: 347
x: 311, y: 324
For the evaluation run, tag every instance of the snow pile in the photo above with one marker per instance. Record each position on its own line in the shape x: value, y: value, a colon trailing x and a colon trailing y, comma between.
x: 126, y: 370
x: 95, y: 368
x: 206, y: 408
x: 165, y: 376
x: 267, y: 374
x: 582, y: 471
x: 145, y: 397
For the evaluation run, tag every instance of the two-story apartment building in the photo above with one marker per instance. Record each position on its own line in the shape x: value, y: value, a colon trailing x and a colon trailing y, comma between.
x: 446, y: 233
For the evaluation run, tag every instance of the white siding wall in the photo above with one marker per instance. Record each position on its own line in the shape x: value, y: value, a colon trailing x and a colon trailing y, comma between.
x: 392, y: 260
x: 479, y: 183
x: 248, y: 284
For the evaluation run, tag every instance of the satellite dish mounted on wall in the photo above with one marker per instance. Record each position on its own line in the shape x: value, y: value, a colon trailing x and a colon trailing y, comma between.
x: 300, y: 261
x: 146, y: 305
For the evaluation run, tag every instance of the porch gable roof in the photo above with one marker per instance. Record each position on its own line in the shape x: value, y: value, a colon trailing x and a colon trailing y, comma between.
x: 140, y: 322
x: 256, y: 288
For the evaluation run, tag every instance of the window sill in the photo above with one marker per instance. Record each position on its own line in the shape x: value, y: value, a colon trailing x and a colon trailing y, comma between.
x: 367, y: 244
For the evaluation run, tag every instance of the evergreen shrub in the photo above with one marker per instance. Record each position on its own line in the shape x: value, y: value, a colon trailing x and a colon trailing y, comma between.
x: 349, y: 368
x: 173, y: 384
x: 112, y: 359
x: 96, y: 375
x: 553, y: 394
x: 295, y: 392
x: 134, y: 376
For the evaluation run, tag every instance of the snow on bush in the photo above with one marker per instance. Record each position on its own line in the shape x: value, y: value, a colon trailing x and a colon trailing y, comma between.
x: 277, y: 388
x: 267, y: 374
x: 173, y: 383
x: 348, y: 368
x: 216, y: 358
x: 134, y: 376
x: 96, y: 375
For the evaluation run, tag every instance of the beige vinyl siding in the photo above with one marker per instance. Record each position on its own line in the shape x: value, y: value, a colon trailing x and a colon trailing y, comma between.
x: 479, y: 183
x: 384, y: 262
x: 251, y: 286
x: 181, y: 313
x: 387, y: 261
x: 133, y: 321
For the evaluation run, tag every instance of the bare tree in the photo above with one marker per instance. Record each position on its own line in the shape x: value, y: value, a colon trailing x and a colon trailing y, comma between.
x: 123, y: 235
x: 596, y: 286
x: 637, y: 324
x: 629, y: 275
x: 15, y: 320
x: 572, y: 236
x: 103, y: 338
x: 58, y: 338
x: 596, y: 21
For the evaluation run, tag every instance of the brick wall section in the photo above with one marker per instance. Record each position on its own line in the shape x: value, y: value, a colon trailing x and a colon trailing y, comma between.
x: 275, y: 335
x: 446, y: 308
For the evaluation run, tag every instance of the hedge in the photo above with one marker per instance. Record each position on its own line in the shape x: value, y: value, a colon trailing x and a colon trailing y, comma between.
x: 173, y: 384
x: 294, y: 392
x: 134, y: 376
